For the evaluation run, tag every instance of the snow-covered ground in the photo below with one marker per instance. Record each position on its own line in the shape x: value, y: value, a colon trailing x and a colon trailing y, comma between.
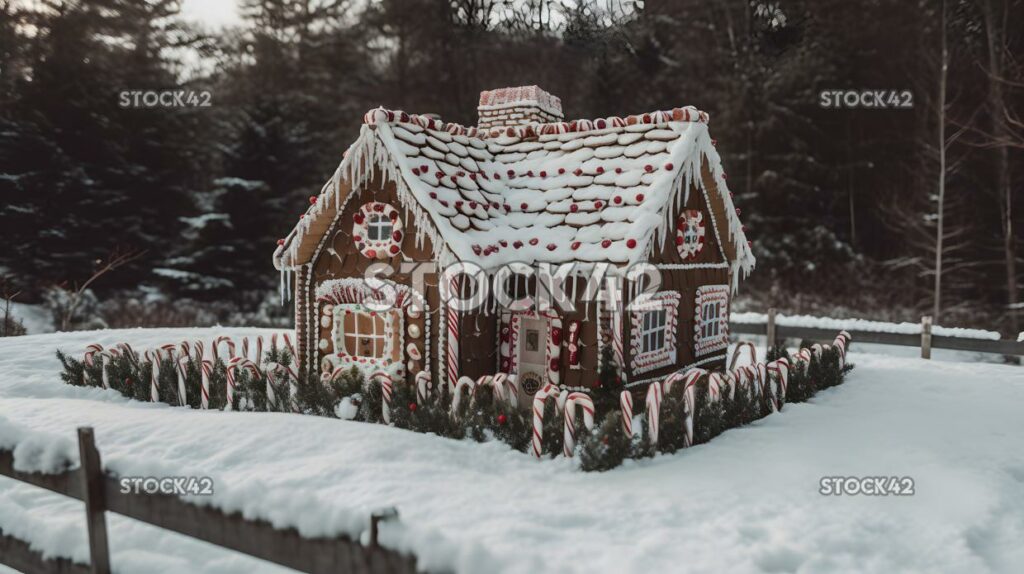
x: 746, y: 502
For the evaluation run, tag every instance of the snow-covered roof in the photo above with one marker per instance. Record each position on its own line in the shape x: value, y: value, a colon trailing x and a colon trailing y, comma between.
x: 604, y: 190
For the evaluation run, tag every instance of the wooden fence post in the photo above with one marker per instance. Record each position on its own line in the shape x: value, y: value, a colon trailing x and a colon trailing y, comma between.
x: 376, y: 517
x: 926, y: 337
x: 770, y: 329
x: 92, y: 492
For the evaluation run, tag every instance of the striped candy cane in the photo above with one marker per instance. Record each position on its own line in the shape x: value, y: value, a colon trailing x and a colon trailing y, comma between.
x: 129, y: 352
x: 510, y: 390
x: 258, y: 354
x: 293, y: 382
x: 488, y: 381
x: 626, y: 407
x: 780, y: 366
x: 386, y: 391
x: 464, y: 385
x: 90, y: 358
x: 206, y: 371
x: 153, y: 356
x: 690, y: 400
x: 569, y: 414
x: 225, y: 340
x: 538, y: 416
x: 245, y: 347
x: 182, y: 364
x: 422, y: 386
x: 288, y: 344
x: 244, y: 364
x: 452, y: 340
x: 653, y: 402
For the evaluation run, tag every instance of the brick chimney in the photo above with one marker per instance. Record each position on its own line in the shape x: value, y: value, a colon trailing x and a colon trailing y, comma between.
x: 518, y: 106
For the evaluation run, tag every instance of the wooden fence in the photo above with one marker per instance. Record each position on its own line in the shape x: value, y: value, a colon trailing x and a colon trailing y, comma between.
x: 257, y: 538
x: 925, y: 340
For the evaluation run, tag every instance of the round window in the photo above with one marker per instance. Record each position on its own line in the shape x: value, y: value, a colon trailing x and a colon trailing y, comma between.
x: 377, y: 230
x: 690, y: 233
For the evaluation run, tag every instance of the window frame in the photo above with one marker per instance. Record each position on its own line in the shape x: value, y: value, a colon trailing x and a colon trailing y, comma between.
x: 711, y: 329
x: 644, y: 355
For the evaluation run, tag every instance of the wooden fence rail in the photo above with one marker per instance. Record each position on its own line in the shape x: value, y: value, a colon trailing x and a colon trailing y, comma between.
x: 258, y: 538
x: 925, y: 340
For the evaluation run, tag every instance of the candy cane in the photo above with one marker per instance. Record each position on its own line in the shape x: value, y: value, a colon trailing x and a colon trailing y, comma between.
x: 216, y: 347
x: 465, y: 384
x: 89, y: 358
x: 422, y: 386
x: 245, y: 347
x: 104, y: 378
x: 782, y: 368
x: 690, y: 400
x: 386, y: 390
x: 258, y: 358
x: 153, y: 357
x: 452, y: 340
x: 538, y: 416
x: 510, y: 391
x: 654, y: 395
x: 182, y: 364
x: 129, y: 352
x: 736, y: 354
x: 230, y: 388
x: 242, y: 362
x: 626, y: 408
x: 206, y: 370
x: 569, y: 414
x: 488, y: 381
x: 288, y: 344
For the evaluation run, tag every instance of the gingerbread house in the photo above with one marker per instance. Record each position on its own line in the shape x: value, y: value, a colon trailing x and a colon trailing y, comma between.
x: 414, y: 196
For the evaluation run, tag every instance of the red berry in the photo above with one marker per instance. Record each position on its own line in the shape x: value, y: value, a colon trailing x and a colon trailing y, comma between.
x: 424, y: 168
x: 551, y: 246
x: 394, y: 249
x: 523, y: 206
x: 433, y: 195
x: 312, y: 200
x: 280, y: 241
x: 543, y: 174
x: 396, y: 235
x: 439, y: 174
x: 511, y: 173
x: 472, y: 205
x: 534, y: 241
x: 412, y: 406
x: 371, y: 253
x: 617, y: 199
x: 517, y: 244
x: 578, y: 172
x: 631, y: 243
x: 561, y: 170
x: 600, y: 169
x: 302, y: 216
x: 679, y: 239
x: 574, y: 208
x: 598, y: 204
x: 503, y: 242
x: 668, y: 166
x: 606, y: 243
x: 639, y: 197
x: 618, y: 170
x: 502, y: 419
x: 575, y: 245
x: 648, y: 168
x: 497, y: 175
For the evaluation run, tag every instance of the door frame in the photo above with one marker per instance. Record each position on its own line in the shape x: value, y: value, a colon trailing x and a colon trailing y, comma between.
x: 510, y: 346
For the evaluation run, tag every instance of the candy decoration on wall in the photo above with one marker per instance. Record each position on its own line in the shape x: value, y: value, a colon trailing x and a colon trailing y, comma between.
x: 573, y: 400
x: 413, y: 351
x: 626, y: 408
x: 574, y: 344
x: 690, y: 234
x: 538, y: 418
x: 377, y: 230
x: 654, y: 396
x: 452, y: 341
